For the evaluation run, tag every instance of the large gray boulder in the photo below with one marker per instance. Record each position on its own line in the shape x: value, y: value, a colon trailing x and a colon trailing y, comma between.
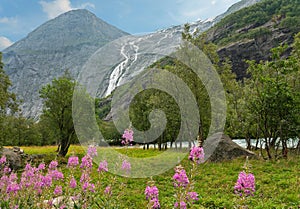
x: 13, y: 158
x: 220, y: 147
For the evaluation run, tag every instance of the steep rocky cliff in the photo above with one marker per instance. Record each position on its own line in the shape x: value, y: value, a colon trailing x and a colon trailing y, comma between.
x: 252, y: 32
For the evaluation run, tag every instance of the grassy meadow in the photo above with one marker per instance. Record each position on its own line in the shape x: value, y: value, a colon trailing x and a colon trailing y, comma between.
x: 277, y: 182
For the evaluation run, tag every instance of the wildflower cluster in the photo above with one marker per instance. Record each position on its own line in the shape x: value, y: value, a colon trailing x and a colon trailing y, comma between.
x: 47, y: 187
x: 151, y: 193
x: 127, y: 137
x: 197, y: 155
x: 245, y: 185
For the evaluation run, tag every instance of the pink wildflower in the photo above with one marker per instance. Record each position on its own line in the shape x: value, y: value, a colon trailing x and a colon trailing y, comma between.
x: 57, y: 190
x: 92, y: 151
x: 53, y: 164
x: 182, y: 205
x: 2, y: 160
x: 86, y: 162
x: 73, y: 183
x: 245, y: 184
x: 73, y: 161
x: 192, y: 196
x: 152, y: 195
x: 127, y: 136
x: 180, y: 177
x: 41, y: 166
x: 197, y: 155
x: 103, y: 166
x: 108, y: 191
x: 126, y: 166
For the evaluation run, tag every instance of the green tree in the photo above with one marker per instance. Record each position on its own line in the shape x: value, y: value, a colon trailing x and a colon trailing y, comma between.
x: 8, y: 104
x: 57, y: 110
x: 273, y: 100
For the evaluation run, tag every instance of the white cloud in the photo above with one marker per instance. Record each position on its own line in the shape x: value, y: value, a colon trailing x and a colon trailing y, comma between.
x: 86, y: 5
x: 4, y: 43
x: 57, y: 7
x: 8, y: 20
x: 188, y: 11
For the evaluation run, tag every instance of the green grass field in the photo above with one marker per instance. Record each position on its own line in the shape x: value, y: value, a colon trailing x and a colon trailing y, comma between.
x: 277, y: 182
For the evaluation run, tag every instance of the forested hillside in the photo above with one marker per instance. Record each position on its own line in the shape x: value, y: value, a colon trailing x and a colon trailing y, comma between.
x: 250, y: 33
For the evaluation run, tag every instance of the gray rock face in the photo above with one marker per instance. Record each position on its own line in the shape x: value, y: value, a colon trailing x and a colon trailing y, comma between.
x: 256, y: 49
x: 220, y: 147
x: 70, y: 40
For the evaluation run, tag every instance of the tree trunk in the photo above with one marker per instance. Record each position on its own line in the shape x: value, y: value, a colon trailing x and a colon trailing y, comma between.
x: 268, y: 150
x: 284, y: 148
x: 298, y: 145
x: 200, y: 136
x: 248, y: 143
x: 65, y: 144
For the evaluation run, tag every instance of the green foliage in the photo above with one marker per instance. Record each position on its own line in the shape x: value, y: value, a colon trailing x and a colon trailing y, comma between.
x: 248, y: 23
x: 7, y: 99
x: 273, y: 98
x: 8, y: 104
x: 57, y: 111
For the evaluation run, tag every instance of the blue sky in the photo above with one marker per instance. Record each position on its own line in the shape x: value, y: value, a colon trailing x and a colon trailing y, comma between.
x: 19, y: 17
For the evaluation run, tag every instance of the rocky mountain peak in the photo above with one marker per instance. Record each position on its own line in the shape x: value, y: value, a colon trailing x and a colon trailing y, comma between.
x: 73, y: 28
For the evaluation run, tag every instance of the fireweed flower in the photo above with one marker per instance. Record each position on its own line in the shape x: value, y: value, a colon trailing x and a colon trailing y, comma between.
x: 73, y: 183
x: 102, y: 167
x: 84, y: 177
x: 73, y: 161
x: 57, y: 175
x: 6, y: 170
x: 57, y: 190
x: 88, y: 186
x: 108, y: 191
x: 126, y: 166
x: 245, y: 184
x: 46, y: 180
x: 41, y: 166
x: 86, y: 162
x: 180, y: 177
x: 151, y: 194
x: 92, y: 151
x: 53, y: 164
x: 127, y: 137
x: 13, y: 187
x: 181, y: 205
x: 197, y: 155
x: 192, y: 196
x: 2, y: 160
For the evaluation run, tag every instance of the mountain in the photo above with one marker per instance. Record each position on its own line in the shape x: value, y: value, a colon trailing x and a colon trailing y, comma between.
x: 65, y: 42
x: 75, y: 41
x: 259, y: 28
